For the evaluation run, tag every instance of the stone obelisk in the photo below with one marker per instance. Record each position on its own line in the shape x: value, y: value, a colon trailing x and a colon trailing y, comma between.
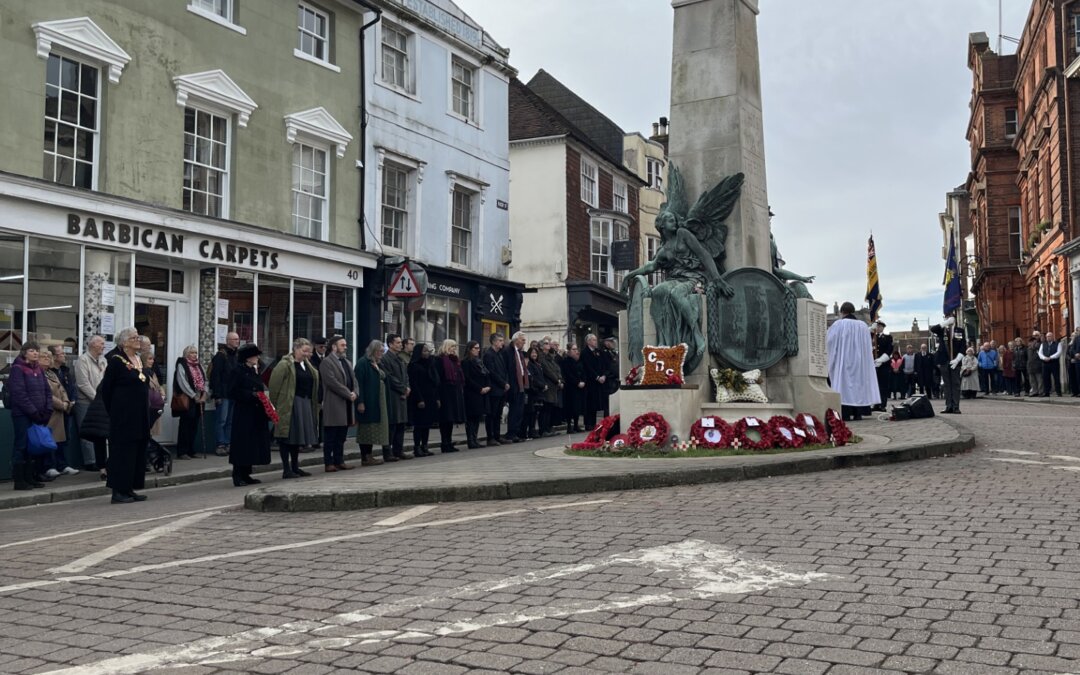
x: 716, y: 123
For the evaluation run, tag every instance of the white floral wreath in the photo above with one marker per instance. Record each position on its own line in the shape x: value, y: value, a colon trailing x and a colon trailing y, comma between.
x: 752, y: 393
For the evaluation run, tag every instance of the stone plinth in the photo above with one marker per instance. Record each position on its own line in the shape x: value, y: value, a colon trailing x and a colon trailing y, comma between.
x: 809, y: 369
x: 680, y: 407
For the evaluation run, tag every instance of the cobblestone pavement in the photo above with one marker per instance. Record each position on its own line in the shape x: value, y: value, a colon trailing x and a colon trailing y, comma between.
x: 965, y: 564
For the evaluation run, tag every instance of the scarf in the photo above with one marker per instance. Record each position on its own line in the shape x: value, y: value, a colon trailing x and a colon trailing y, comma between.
x: 452, y: 370
x: 198, y: 383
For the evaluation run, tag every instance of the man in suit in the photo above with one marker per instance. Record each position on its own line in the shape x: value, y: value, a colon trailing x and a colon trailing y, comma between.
x: 925, y: 372
x: 397, y: 397
x: 1050, y: 355
x: 339, y: 398
x: 596, y: 373
x: 883, y: 349
x: 517, y: 368
x: 948, y: 356
x: 495, y: 362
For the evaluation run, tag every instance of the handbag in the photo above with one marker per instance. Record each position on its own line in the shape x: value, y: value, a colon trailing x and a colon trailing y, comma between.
x: 157, y: 401
x: 181, y: 403
x: 39, y: 440
x: 95, y: 425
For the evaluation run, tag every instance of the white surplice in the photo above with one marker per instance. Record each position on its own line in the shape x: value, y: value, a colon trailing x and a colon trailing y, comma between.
x: 851, y: 363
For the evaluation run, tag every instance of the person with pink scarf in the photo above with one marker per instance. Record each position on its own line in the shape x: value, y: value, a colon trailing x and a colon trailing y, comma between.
x: 190, y: 381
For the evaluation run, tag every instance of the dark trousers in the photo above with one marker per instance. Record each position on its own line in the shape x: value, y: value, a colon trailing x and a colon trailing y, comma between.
x: 397, y: 440
x: 334, y: 445
x: 472, y: 430
x: 127, y: 465
x: 185, y: 436
x: 884, y: 373
x: 532, y: 414
x: 420, y: 434
x: 986, y: 379
x: 446, y: 435
x: 240, y: 471
x: 493, y: 420
x: 1011, y: 386
x: 1074, y: 377
x: 517, y: 414
x: 1051, y: 370
x: 1022, y: 381
x: 950, y: 378
x: 290, y: 457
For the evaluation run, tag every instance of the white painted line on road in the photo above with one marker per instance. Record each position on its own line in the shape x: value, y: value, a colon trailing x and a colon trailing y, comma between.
x: 1065, y: 458
x: 75, y: 533
x: 1013, y: 452
x: 695, y: 569
x: 1015, y: 461
x: 1067, y: 468
x: 295, y: 545
x: 128, y: 544
x: 404, y: 516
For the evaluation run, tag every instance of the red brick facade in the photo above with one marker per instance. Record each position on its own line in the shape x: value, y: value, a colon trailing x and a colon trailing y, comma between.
x: 578, y: 230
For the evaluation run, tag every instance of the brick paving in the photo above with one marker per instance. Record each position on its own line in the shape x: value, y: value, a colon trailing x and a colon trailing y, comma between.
x: 964, y: 564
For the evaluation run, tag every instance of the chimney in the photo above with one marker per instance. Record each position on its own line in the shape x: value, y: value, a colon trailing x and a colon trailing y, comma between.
x: 655, y: 129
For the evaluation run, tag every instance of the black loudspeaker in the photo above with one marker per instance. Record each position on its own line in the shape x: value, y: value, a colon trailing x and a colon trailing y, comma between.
x: 920, y: 407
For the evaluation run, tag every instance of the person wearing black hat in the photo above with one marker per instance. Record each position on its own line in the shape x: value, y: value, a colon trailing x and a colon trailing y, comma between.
x: 318, y: 351
x: 249, y: 443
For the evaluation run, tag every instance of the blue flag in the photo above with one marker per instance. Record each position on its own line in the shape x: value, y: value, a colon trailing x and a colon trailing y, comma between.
x: 952, y: 280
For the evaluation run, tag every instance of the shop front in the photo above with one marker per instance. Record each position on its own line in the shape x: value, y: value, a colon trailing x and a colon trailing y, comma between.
x: 448, y: 304
x: 74, y: 265
x: 593, y: 308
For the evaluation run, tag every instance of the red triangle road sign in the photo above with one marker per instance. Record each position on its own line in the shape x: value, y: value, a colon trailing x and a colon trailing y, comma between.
x: 404, y: 284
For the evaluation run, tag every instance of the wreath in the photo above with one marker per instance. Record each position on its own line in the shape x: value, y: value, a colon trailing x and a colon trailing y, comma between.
x: 752, y: 425
x: 267, y: 406
x: 718, y: 433
x: 731, y: 380
x: 603, y: 430
x: 650, y: 427
x: 838, y: 429
x: 588, y: 445
x: 633, y: 376
x: 815, y: 430
x: 619, y: 441
x: 786, y: 432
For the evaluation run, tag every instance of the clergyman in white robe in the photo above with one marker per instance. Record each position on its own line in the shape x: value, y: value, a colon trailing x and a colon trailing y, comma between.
x: 851, y: 364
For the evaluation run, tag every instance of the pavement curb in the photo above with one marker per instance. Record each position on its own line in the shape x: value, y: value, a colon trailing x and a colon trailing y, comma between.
x: 273, y: 500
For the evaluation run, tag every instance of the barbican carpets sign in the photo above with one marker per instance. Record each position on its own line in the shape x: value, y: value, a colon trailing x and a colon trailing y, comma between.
x: 171, y: 243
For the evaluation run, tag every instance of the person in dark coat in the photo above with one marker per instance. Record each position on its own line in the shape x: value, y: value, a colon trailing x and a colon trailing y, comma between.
x: 221, y: 367
x: 451, y: 394
x: 573, y: 388
x: 495, y: 362
x: 31, y: 403
x: 538, y: 387
x: 551, y: 412
x: 477, y: 388
x: 396, y: 372
x: 595, y: 365
x: 249, y: 443
x: 423, y: 396
x: 517, y: 370
x: 125, y: 391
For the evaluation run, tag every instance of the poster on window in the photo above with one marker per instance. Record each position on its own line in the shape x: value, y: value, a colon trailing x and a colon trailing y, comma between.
x: 108, y: 295
x: 339, y: 320
x: 222, y: 333
x: 108, y: 323
x: 223, y: 308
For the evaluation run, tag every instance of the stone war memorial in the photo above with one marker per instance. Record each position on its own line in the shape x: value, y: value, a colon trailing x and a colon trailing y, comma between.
x: 724, y: 292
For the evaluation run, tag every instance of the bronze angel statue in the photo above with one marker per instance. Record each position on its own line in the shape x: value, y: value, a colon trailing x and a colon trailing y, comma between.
x: 691, y: 258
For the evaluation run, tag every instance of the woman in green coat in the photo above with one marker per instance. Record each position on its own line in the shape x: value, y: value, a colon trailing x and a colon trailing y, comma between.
x: 372, y: 422
x: 294, y: 391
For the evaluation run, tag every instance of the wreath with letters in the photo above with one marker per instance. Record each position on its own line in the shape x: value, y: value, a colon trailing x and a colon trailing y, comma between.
x: 838, y: 429
x: 745, y: 430
x: 785, y: 432
x: 648, y: 428
x: 712, y: 432
x: 815, y: 430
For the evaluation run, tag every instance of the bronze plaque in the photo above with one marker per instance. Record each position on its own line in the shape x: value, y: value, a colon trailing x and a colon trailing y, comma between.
x: 750, y: 329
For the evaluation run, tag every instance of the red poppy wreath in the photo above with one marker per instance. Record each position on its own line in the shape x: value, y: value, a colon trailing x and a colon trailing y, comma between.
x: 619, y: 441
x: 748, y: 427
x: 650, y: 427
x: 603, y: 430
x: 838, y: 429
x: 712, y: 432
x: 786, y: 433
x: 815, y: 430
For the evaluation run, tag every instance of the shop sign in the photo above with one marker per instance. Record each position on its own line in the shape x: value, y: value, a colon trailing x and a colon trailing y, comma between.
x: 496, y: 304
x: 404, y: 284
x: 447, y: 288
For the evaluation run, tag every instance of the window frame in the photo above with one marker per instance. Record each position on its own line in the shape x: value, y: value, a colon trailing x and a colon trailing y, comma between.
x: 408, y: 75
x: 474, y: 88
x: 473, y: 223
x: 1016, y: 235
x: 652, y: 247
x: 600, y: 271
x: 405, y: 209
x: 226, y: 18
x: 58, y: 120
x: 1014, y: 123
x: 327, y: 41
x: 617, y: 196
x: 298, y: 147
x: 226, y: 171
x: 654, y: 171
x: 592, y: 197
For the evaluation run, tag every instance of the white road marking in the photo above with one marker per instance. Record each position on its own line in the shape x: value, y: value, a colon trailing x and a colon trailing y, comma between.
x: 404, y: 516
x: 1065, y: 458
x: 128, y: 544
x: 1013, y: 452
x: 1015, y: 461
x: 1067, y: 468
x: 288, y: 547
x: 76, y: 533
x: 696, y: 569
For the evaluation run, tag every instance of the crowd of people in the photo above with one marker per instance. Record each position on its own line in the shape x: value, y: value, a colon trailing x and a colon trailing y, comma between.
x: 869, y: 372
x: 308, y: 398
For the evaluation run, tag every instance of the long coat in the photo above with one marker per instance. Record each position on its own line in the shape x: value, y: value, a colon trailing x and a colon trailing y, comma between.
x: 476, y: 378
x: 595, y: 365
x: 970, y: 381
x: 397, y: 383
x: 337, y: 405
x: 552, y: 376
x: 424, y: 382
x: 283, y: 391
x: 126, y: 395
x: 372, y: 427
x: 250, y: 441
x: 573, y: 395
x: 451, y: 393
x: 60, y: 402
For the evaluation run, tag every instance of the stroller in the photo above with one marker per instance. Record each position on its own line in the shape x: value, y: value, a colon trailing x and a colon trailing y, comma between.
x: 158, y: 458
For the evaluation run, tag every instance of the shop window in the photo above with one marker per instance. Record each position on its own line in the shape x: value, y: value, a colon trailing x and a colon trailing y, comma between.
x: 462, y: 227
x: 307, y: 309
x: 339, y: 314
x: 310, y: 200
x: 107, y: 292
x: 431, y: 319
x: 149, y: 278
x: 206, y: 155
x: 237, y: 287
x: 53, y: 293
x: 274, y: 317
x: 11, y: 299
x: 71, y: 122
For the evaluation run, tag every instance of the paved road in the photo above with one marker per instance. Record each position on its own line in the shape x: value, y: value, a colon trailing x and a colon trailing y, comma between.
x: 959, y: 565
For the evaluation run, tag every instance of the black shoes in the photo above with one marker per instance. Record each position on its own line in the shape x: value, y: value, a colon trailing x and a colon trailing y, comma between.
x: 118, y: 498
x: 241, y: 481
x: 301, y: 473
x: 286, y: 475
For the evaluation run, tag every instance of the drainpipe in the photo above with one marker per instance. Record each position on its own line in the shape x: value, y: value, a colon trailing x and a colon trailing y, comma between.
x: 363, y: 118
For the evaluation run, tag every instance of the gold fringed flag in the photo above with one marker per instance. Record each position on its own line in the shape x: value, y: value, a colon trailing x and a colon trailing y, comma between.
x: 873, y: 292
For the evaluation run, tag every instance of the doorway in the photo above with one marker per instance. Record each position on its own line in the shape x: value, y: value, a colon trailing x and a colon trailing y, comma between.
x: 166, y: 322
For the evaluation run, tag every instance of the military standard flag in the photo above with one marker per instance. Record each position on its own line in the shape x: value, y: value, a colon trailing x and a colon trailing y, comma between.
x: 873, y: 292
x: 952, y: 280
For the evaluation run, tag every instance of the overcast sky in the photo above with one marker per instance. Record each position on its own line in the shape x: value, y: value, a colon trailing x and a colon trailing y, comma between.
x: 865, y: 108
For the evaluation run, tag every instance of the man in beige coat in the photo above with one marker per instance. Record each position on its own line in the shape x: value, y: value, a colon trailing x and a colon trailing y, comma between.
x: 339, y: 396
